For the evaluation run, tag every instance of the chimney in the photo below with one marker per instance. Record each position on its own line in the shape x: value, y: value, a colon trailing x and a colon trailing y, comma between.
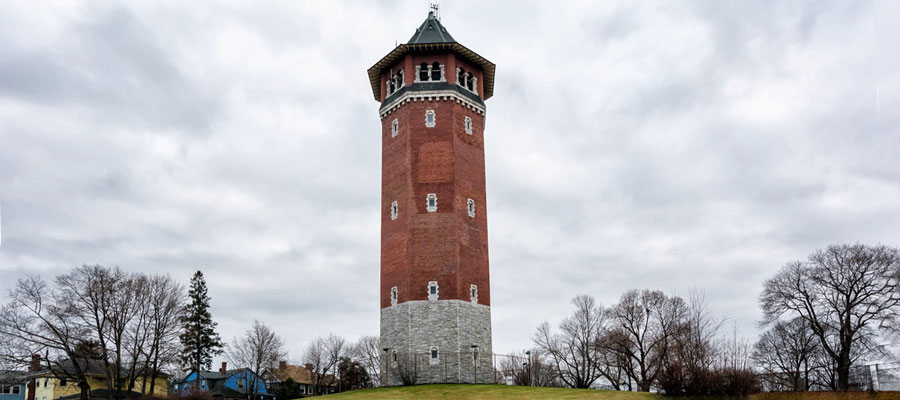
x: 309, y: 367
x: 224, y: 368
x: 282, y: 364
x: 35, y: 363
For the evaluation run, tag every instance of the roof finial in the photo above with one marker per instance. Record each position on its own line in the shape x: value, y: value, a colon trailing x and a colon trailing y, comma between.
x: 435, y: 8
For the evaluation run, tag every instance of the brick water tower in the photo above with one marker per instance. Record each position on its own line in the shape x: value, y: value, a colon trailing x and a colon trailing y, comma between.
x: 435, y: 282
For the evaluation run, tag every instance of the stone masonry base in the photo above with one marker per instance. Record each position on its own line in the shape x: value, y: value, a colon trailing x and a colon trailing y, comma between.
x: 455, y: 329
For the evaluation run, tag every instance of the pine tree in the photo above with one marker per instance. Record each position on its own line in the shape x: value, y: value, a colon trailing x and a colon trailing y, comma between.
x: 200, y: 342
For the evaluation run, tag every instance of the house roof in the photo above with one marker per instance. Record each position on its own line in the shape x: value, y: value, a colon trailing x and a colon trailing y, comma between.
x: 100, y: 394
x: 66, y: 367
x: 431, y: 31
x: 299, y: 374
x: 8, y: 376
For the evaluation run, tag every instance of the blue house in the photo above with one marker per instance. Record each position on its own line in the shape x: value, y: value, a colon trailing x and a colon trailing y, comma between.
x: 224, y: 384
x: 12, y: 385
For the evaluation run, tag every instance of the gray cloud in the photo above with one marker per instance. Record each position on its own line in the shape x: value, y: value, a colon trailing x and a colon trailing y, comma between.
x: 671, y: 146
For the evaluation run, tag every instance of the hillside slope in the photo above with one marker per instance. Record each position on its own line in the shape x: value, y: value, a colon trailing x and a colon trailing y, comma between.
x: 499, y: 392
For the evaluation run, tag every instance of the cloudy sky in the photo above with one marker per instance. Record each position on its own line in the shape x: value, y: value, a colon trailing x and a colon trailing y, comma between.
x: 655, y: 145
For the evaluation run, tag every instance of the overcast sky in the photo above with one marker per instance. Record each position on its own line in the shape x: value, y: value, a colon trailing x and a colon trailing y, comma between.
x: 658, y: 145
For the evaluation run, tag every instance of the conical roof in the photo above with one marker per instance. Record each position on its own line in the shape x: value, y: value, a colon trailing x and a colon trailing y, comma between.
x: 431, y: 31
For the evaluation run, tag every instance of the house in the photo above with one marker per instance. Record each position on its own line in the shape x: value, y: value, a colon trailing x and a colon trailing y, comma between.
x: 224, y: 384
x: 13, y: 385
x: 58, y: 382
x: 300, y: 374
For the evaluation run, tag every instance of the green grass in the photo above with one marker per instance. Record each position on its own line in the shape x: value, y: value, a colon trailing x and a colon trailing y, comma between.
x: 499, y: 392
x: 502, y: 392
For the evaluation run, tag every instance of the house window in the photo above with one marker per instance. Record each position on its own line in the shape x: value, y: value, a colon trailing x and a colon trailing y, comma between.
x: 240, y: 383
x: 395, y: 128
x: 432, y: 290
x: 429, y: 119
x: 62, y: 382
x: 395, y: 209
x: 431, y: 202
x: 468, y: 125
x: 45, y: 382
x: 470, y: 207
x: 434, y: 354
x: 473, y: 293
x: 394, y: 296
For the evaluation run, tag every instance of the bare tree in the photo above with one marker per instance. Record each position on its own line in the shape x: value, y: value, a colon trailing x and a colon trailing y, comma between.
x: 258, y: 349
x: 40, y: 320
x: 641, y: 331
x: 846, y: 293
x: 166, y: 299
x: 786, y: 354
x: 324, y: 354
x: 573, y: 350
x: 406, y: 366
x: 367, y: 351
x: 690, y: 363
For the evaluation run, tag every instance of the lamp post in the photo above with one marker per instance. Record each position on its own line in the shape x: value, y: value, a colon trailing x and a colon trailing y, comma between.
x: 475, y: 359
x: 385, y: 375
x: 529, y: 364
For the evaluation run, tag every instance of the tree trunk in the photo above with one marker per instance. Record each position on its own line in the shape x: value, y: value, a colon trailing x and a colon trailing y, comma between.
x: 843, y: 369
x: 85, y: 389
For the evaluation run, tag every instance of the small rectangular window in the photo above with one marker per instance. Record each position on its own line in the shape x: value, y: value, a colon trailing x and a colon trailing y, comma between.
x: 62, y: 382
x: 469, y: 125
x: 395, y: 210
x: 394, y: 296
x: 432, y: 290
x: 431, y: 202
x: 429, y: 118
x: 470, y: 207
x: 395, y: 128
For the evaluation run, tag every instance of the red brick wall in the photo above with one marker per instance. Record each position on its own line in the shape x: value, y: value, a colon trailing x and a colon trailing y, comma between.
x: 446, y: 246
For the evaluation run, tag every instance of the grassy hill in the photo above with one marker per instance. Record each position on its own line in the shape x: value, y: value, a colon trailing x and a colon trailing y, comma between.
x: 501, y: 392
x: 464, y: 391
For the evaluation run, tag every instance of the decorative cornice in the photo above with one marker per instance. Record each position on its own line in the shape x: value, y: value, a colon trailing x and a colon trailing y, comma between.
x: 429, y: 95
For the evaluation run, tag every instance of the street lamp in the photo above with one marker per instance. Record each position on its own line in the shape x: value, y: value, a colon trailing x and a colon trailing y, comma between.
x: 385, y: 375
x: 475, y: 359
x: 529, y: 363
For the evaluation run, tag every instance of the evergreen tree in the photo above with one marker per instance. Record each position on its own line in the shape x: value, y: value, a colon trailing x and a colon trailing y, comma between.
x: 199, y: 340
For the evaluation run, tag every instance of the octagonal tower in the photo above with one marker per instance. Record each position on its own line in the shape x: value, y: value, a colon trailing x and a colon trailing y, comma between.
x: 435, y: 281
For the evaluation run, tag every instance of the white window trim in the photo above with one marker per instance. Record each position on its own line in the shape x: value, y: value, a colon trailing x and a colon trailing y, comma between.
x: 428, y: 206
x: 437, y: 290
x: 433, y: 119
x: 434, y: 351
x: 395, y: 210
x: 394, y: 296
x: 468, y: 124
x: 470, y: 208
x: 395, y: 127
x: 473, y: 289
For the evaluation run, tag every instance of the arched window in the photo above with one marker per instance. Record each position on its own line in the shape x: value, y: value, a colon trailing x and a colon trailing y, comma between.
x: 460, y: 76
x: 394, y: 296
x: 469, y: 81
x: 393, y: 86
x: 423, y: 72
x: 434, y: 355
x: 435, y: 71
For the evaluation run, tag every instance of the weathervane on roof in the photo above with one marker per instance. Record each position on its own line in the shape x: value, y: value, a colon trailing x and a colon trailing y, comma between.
x: 435, y: 8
